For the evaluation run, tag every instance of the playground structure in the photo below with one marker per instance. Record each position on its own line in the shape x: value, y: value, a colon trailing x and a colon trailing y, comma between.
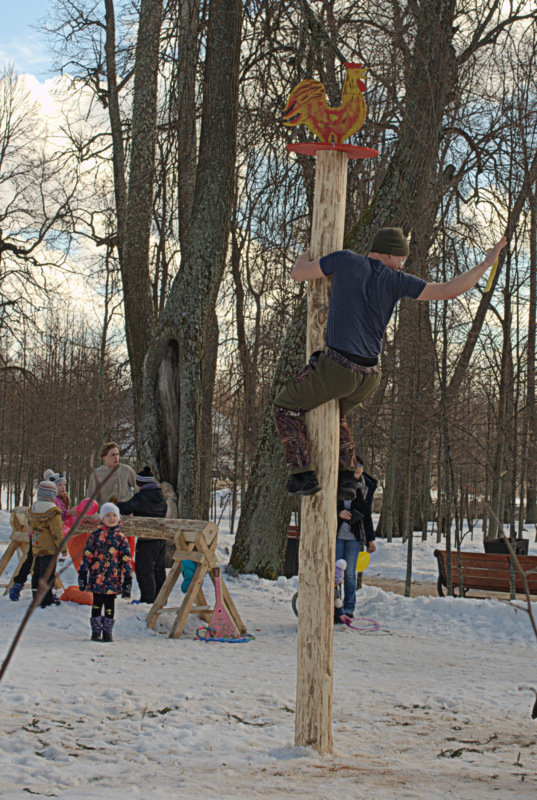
x: 314, y: 697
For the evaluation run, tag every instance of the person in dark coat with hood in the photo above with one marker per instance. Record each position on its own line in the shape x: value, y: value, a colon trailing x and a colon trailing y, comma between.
x: 355, y: 531
x: 149, y: 558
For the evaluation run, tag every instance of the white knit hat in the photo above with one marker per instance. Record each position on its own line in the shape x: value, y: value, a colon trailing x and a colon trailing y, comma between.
x: 109, y: 508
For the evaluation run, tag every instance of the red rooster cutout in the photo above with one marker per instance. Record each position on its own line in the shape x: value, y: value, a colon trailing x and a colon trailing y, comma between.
x: 307, y: 106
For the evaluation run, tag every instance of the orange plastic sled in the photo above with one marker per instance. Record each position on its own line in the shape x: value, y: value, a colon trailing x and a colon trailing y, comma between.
x: 76, y: 545
x: 75, y: 595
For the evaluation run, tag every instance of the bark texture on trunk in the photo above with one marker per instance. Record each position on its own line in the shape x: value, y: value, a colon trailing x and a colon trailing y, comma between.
x: 261, y: 538
x: 179, y: 368
x: 137, y: 294
x: 134, y: 197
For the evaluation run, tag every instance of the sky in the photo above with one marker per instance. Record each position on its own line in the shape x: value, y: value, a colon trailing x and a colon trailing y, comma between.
x: 20, y: 43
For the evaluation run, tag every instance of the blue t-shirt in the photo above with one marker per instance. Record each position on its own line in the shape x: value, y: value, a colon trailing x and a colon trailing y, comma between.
x: 364, y: 295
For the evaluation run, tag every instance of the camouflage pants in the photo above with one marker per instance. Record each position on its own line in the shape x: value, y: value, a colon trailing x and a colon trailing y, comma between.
x: 327, y: 376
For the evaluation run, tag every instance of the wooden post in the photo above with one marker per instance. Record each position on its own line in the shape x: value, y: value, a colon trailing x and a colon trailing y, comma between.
x: 313, y: 721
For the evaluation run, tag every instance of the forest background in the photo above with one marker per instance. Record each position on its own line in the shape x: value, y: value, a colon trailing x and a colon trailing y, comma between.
x: 160, y: 186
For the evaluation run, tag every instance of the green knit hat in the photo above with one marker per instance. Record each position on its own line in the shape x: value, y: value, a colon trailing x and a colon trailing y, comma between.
x: 391, y: 241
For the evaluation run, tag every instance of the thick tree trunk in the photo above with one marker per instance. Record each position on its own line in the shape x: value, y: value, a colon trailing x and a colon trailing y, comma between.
x: 261, y: 538
x: 184, y: 108
x: 500, y: 466
x: 406, y: 197
x: 137, y: 295
x: 134, y: 205
x: 177, y: 362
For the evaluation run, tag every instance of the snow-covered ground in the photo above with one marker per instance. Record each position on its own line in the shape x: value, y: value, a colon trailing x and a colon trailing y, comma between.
x: 428, y: 707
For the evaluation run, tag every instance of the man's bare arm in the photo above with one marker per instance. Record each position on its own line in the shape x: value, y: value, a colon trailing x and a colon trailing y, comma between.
x: 306, y: 270
x: 462, y: 283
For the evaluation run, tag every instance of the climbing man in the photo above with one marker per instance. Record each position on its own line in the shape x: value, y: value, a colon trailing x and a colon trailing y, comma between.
x: 365, y: 291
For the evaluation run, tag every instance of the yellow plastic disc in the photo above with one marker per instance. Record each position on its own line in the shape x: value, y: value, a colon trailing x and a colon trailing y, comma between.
x: 363, y: 561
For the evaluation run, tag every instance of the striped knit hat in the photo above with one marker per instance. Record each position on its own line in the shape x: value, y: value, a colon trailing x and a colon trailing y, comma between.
x: 46, y: 490
x: 145, y: 476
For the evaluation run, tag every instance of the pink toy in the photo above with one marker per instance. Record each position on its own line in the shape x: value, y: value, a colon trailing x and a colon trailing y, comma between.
x: 221, y: 625
x: 76, y: 543
x: 88, y: 507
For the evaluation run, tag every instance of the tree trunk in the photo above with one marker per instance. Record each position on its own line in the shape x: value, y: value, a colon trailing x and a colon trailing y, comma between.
x: 116, y: 128
x: 137, y: 294
x: 531, y: 410
x: 405, y: 198
x: 261, y: 538
x: 134, y: 205
x: 177, y: 362
x: 408, y: 197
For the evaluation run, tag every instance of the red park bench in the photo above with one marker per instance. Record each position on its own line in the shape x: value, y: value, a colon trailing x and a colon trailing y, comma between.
x: 486, y: 571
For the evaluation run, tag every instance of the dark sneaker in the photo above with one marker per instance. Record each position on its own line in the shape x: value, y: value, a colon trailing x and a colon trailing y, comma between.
x: 54, y: 602
x: 303, y: 483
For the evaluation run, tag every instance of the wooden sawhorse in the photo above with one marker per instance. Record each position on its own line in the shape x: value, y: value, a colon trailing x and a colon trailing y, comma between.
x: 19, y: 542
x: 195, y: 540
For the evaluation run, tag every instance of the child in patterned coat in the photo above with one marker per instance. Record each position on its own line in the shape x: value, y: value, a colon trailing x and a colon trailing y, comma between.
x: 106, y: 570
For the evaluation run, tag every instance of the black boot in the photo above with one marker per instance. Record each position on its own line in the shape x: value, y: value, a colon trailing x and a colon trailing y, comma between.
x: 96, y: 628
x: 304, y: 483
x: 108, y: 625
x: 347, y: 485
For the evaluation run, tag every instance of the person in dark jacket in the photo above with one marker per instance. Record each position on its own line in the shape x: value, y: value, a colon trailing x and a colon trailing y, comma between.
x: 355, y: 530
x: 150, y: 554
x: 363, y: 295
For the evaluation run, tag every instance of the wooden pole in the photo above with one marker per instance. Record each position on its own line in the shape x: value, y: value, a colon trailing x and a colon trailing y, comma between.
x: 313, y: 721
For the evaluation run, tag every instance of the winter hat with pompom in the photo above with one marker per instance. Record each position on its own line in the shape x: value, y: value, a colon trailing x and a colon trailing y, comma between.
x: 46, y: 490
x: 144, y: 476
